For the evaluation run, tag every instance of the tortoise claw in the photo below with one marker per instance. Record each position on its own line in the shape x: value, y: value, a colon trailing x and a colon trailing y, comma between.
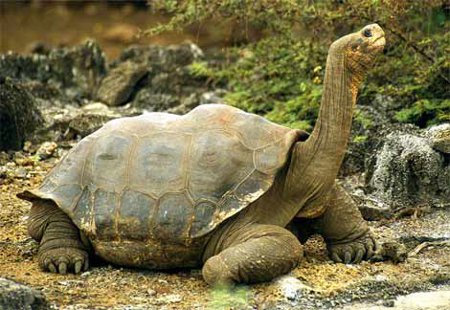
x: 347, y: 257
x: 62, y: 268
x: 63, y: 260
x: 335, y: 257
x: 359, y: 256
x: 52, y: 268
x: 354, y: 251
x: 77, y: 267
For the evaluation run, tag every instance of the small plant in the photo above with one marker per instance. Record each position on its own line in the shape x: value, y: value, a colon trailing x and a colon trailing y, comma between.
x: 223, y: 297
x: 425, y: 112
x: 200, y: 69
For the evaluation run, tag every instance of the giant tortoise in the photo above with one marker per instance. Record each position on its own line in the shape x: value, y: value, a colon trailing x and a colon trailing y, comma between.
x: 217, y: 187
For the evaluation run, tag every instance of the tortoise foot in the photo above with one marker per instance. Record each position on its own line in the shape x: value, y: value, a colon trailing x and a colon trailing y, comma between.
x: 355, y: 251
x: 63, y: 260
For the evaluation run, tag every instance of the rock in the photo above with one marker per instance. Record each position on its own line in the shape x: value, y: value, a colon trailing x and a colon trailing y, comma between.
x: 151, y: 102
x: 69, y: 122
x: 163, y: 58
x: 44, y: 91
x: 19, y: 116
x: 408, y: 172
x: 21, y: 173
x: 90, y: 118
x: 431, y: 227
x: 14, y: 296
x: 46, y: 150
x: 292, y: 288
x: 393, y: 251
x: 424, y: 300
x: 170, y: 82
x: 439, y: 300
x: 117, y: 86
x: 440, y: 137
x: 215, y: 96
x: 76, y: 70
x: 169, y: 299
x: 151, y: 292
x: 373, y: 122
x: 56, y: 120
x: 372, y: 208
x: 187, y: 104
x: 83, y: 124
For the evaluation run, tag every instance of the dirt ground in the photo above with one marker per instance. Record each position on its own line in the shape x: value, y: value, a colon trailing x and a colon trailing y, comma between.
x: 323, y: 283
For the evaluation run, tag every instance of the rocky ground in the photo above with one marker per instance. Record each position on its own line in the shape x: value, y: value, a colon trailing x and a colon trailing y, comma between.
x: 317, y: 283
x: 68, y: 93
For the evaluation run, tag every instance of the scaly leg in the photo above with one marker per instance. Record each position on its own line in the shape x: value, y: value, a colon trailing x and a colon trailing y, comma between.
x: 346, y: 233
x: 62, y: 247
x: 255, y: 253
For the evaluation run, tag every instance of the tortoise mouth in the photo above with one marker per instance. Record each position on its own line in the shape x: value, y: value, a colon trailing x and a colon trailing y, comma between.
x: 382, y: 40
x: 379, y: 43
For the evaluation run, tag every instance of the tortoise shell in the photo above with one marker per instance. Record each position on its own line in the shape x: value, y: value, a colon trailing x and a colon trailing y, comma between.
x: 167, y: 177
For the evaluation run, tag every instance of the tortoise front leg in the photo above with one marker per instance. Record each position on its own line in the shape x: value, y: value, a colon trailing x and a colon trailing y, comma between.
x: 61, y: 247
x: 256, y: 253
x: 346, y: 233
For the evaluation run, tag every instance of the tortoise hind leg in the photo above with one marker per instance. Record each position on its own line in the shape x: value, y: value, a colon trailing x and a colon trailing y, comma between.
x: 61, y: 248
x: 254, y: 254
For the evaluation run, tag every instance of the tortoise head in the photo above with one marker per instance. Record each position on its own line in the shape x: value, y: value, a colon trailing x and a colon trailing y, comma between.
x: 361, y: 48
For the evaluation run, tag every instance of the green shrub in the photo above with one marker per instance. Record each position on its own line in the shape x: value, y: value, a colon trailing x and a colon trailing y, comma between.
x: 280, y: 75
x: 425, y: 112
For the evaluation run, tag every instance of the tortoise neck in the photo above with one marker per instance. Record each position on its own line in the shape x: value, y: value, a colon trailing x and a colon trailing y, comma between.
x: 328, y: 141
x: 315, y: 163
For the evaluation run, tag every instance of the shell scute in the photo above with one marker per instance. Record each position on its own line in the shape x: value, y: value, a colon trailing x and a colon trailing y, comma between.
x: 82, y: 214
x: 263, y: 133
x: 173, y: 217
x: 133, y: 223
x: 204, y: 212
x: 218, y: 162
x: 107, y: 165
x: 104, y: 214
x: 67, y: 193
x: 158, y: 165
x: 252, y: 185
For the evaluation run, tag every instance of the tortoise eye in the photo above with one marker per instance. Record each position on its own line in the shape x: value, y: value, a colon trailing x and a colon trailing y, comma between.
x: 367, y: 33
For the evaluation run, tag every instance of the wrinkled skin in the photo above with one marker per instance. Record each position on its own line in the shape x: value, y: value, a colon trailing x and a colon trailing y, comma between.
x: 349, y: 243
x: 62, y: 247
x: 254, y: 245
x: 346, y: 233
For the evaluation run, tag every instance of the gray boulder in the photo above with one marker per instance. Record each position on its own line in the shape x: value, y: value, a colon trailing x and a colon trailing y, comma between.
x: 372, y: 123
x: 162, y: 58
x: 440, y: 137
x: 75, y: 123
x: 408, y: 172
x: 154, y: 102
x: 14, y: 296
x: 117, y: 86
x: 437, y: 300
x: 170, y: 82
x: 19, y: 116
x: 77, y: 70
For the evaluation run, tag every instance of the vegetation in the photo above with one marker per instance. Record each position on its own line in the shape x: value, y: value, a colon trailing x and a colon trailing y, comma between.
x: 279, y: 73
x: 224, y: 297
